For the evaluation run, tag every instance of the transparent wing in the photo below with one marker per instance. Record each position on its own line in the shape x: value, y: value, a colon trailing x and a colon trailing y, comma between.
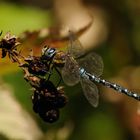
x: 90, y: 91
x: 75, y: 48
x: 92, y: 63
x: 70, y: 72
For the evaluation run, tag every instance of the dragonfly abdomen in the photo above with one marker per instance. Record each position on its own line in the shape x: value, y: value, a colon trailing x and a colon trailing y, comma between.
x: 108, y: 84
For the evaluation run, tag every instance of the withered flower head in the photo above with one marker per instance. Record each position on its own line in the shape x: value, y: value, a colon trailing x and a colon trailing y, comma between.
x: 8, y: 44
x: 47, y: 98
x: 35, y: 66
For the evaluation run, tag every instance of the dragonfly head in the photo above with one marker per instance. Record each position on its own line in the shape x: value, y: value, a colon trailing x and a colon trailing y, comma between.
x: 48, y: 52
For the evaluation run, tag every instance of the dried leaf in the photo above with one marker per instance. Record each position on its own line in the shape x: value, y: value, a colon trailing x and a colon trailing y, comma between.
x: 53, y: 37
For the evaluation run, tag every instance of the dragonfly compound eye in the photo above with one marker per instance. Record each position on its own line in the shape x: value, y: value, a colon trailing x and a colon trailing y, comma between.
x: 48, y: 52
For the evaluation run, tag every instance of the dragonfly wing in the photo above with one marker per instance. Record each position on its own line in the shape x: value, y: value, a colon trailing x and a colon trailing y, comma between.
x: 75, y: 48
x: 92, y: 63
x: 90, y: 91
x: 70, y: 72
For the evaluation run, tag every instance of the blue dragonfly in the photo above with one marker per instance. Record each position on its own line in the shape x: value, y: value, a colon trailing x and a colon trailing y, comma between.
x: 86, y: 69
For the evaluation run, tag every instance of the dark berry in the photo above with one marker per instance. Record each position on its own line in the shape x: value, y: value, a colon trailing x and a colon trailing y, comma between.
x: 46, y: 84
x: 50, y: 116
x: 61, y: 101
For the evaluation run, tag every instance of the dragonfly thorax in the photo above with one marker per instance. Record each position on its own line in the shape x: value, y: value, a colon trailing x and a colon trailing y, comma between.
x: 59, y: 59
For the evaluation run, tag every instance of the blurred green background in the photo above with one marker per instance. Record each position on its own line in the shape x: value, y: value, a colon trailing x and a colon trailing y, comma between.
x: 115, y: 37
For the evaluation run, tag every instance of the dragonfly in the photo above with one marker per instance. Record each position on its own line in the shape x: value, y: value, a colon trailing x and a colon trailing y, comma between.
x: 86, y: 69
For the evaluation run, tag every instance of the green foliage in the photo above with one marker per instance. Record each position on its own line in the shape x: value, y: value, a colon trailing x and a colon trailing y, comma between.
x: 18, y: 18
